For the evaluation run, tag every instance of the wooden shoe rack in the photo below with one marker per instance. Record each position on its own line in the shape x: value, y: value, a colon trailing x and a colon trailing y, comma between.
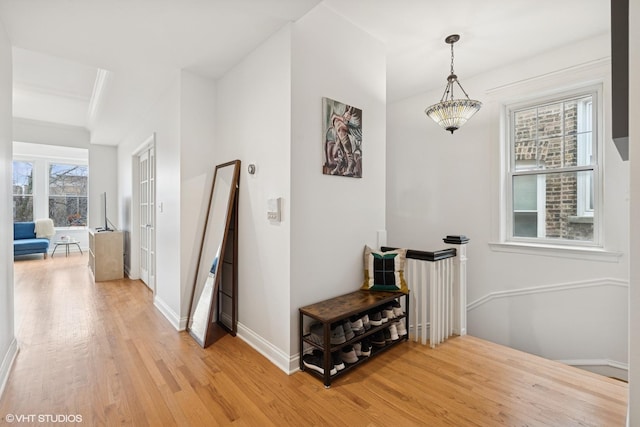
x: 338, y: 309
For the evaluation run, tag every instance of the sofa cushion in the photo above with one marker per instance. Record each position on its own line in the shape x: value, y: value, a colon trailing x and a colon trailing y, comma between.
x: 24, y: 230
x: 23, y: 245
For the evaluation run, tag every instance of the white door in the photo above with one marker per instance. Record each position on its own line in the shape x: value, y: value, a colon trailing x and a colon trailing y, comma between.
x: 147, y: 195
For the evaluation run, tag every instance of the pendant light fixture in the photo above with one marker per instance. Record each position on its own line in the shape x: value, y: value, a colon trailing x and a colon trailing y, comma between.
x: 452, y: 113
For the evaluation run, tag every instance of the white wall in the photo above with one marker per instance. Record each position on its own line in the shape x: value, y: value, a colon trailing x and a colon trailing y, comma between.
x: 269, y: 113
x: 103, y: 177
x: 8, y: 343
x: 197, y: 164
x: 38, y: 132
x: 571, y: 309
x: 332, y: 218
x: 634, y: 153
x: 164, y: 120
x: 253, y: 124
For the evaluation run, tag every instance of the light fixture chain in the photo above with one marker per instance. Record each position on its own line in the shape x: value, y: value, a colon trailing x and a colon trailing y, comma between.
x: 452, y: 59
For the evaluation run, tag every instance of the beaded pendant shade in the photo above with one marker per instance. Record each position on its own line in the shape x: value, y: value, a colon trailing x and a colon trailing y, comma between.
x: 451, y: 113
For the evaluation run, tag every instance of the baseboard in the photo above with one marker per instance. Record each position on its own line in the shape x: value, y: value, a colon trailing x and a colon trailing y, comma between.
x: 7, y: 364
x: 547, y: 288
x: 176, y: 321
x: 606, y: 367
x: 279, y: 358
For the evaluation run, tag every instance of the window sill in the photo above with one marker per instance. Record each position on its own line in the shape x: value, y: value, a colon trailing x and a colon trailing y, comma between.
x: 580, y: 219
x: 573, y: 252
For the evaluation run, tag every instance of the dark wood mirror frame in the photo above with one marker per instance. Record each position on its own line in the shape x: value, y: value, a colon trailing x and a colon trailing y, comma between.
x: 216, y: 289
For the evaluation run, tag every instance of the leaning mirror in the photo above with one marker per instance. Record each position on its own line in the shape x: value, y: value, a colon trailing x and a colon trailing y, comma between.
x: 211, y: 302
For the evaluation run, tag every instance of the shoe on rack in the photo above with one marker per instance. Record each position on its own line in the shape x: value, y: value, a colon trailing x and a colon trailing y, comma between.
x: 337, y: 361
x: 385, y: 319
x: 375, y: 318
x: 314, y: 361
x: 338, y: 335
x: 316, y: 334
x: 365, y: 322
x: 397, y: 308
x: 357, y: 347
x: 365, y: 350
x: 377, y: 339
x: 402, y: 329
x: 393, y: 331
x: 387, y: 336
x: 348, y: 332
x: 389, y: 312
x: 356, y: 325
x: 348, y: 354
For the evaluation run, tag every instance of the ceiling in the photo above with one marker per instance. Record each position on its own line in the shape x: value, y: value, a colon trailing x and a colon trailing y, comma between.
x: 102, y: 64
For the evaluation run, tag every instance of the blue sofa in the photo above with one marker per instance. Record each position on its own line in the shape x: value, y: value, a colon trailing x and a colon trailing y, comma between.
x: 25, y: 240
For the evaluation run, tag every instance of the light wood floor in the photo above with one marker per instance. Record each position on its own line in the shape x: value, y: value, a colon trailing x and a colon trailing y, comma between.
x: 102, y: 351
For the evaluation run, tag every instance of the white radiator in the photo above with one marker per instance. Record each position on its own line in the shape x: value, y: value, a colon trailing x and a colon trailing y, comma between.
x: 434, y: 303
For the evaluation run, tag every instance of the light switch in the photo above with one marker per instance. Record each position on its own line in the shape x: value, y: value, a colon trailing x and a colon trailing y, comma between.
x: 273, y: 210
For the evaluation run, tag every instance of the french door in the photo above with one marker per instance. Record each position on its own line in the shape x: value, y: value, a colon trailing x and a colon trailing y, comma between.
x: 147, y: 204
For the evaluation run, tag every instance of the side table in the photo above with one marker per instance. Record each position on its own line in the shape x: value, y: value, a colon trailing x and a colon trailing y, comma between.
x: 66, y: 244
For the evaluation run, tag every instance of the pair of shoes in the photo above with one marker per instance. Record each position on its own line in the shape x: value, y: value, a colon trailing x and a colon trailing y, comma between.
x: 357, y: 325
x: 348, y: 331
x: 365, y: 348
x: 402, y: 329
x: 375, y: 318
x: 315, y: 362
x: 383, y: 314
x: 357, y: 347
x: 348, y: 354
x: 337, y: 361
x: 365, y: 322
x: 397, y: 308
x: 389, y: 313
x: 387, y: 336
x: 377, y: 339
x: 393, y: 331
x: 317, y: 334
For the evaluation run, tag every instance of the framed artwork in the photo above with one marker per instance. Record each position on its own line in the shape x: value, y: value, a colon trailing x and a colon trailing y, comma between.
x: 342, y: 144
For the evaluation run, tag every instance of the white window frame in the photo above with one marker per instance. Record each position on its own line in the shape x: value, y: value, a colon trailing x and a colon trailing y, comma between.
x: 596, y: 92
x: 585, y: 202
x: 41, y: 183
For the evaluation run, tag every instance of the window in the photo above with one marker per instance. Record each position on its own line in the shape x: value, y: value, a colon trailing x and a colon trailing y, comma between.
x: 68, y: 194
x: 22, y: 191
x: 552, y: 178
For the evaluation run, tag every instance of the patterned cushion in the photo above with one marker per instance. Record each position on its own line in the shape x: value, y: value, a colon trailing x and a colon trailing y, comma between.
x: 384, y: 271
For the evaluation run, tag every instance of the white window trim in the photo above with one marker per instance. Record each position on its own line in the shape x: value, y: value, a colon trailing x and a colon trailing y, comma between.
x: 507, y: 238
x: 595, y: 72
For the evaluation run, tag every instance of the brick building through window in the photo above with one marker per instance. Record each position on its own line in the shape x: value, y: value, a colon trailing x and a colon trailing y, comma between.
x: 553, y: 169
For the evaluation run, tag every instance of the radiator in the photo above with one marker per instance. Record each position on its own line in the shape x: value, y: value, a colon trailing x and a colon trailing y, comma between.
x: 433, y: 307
